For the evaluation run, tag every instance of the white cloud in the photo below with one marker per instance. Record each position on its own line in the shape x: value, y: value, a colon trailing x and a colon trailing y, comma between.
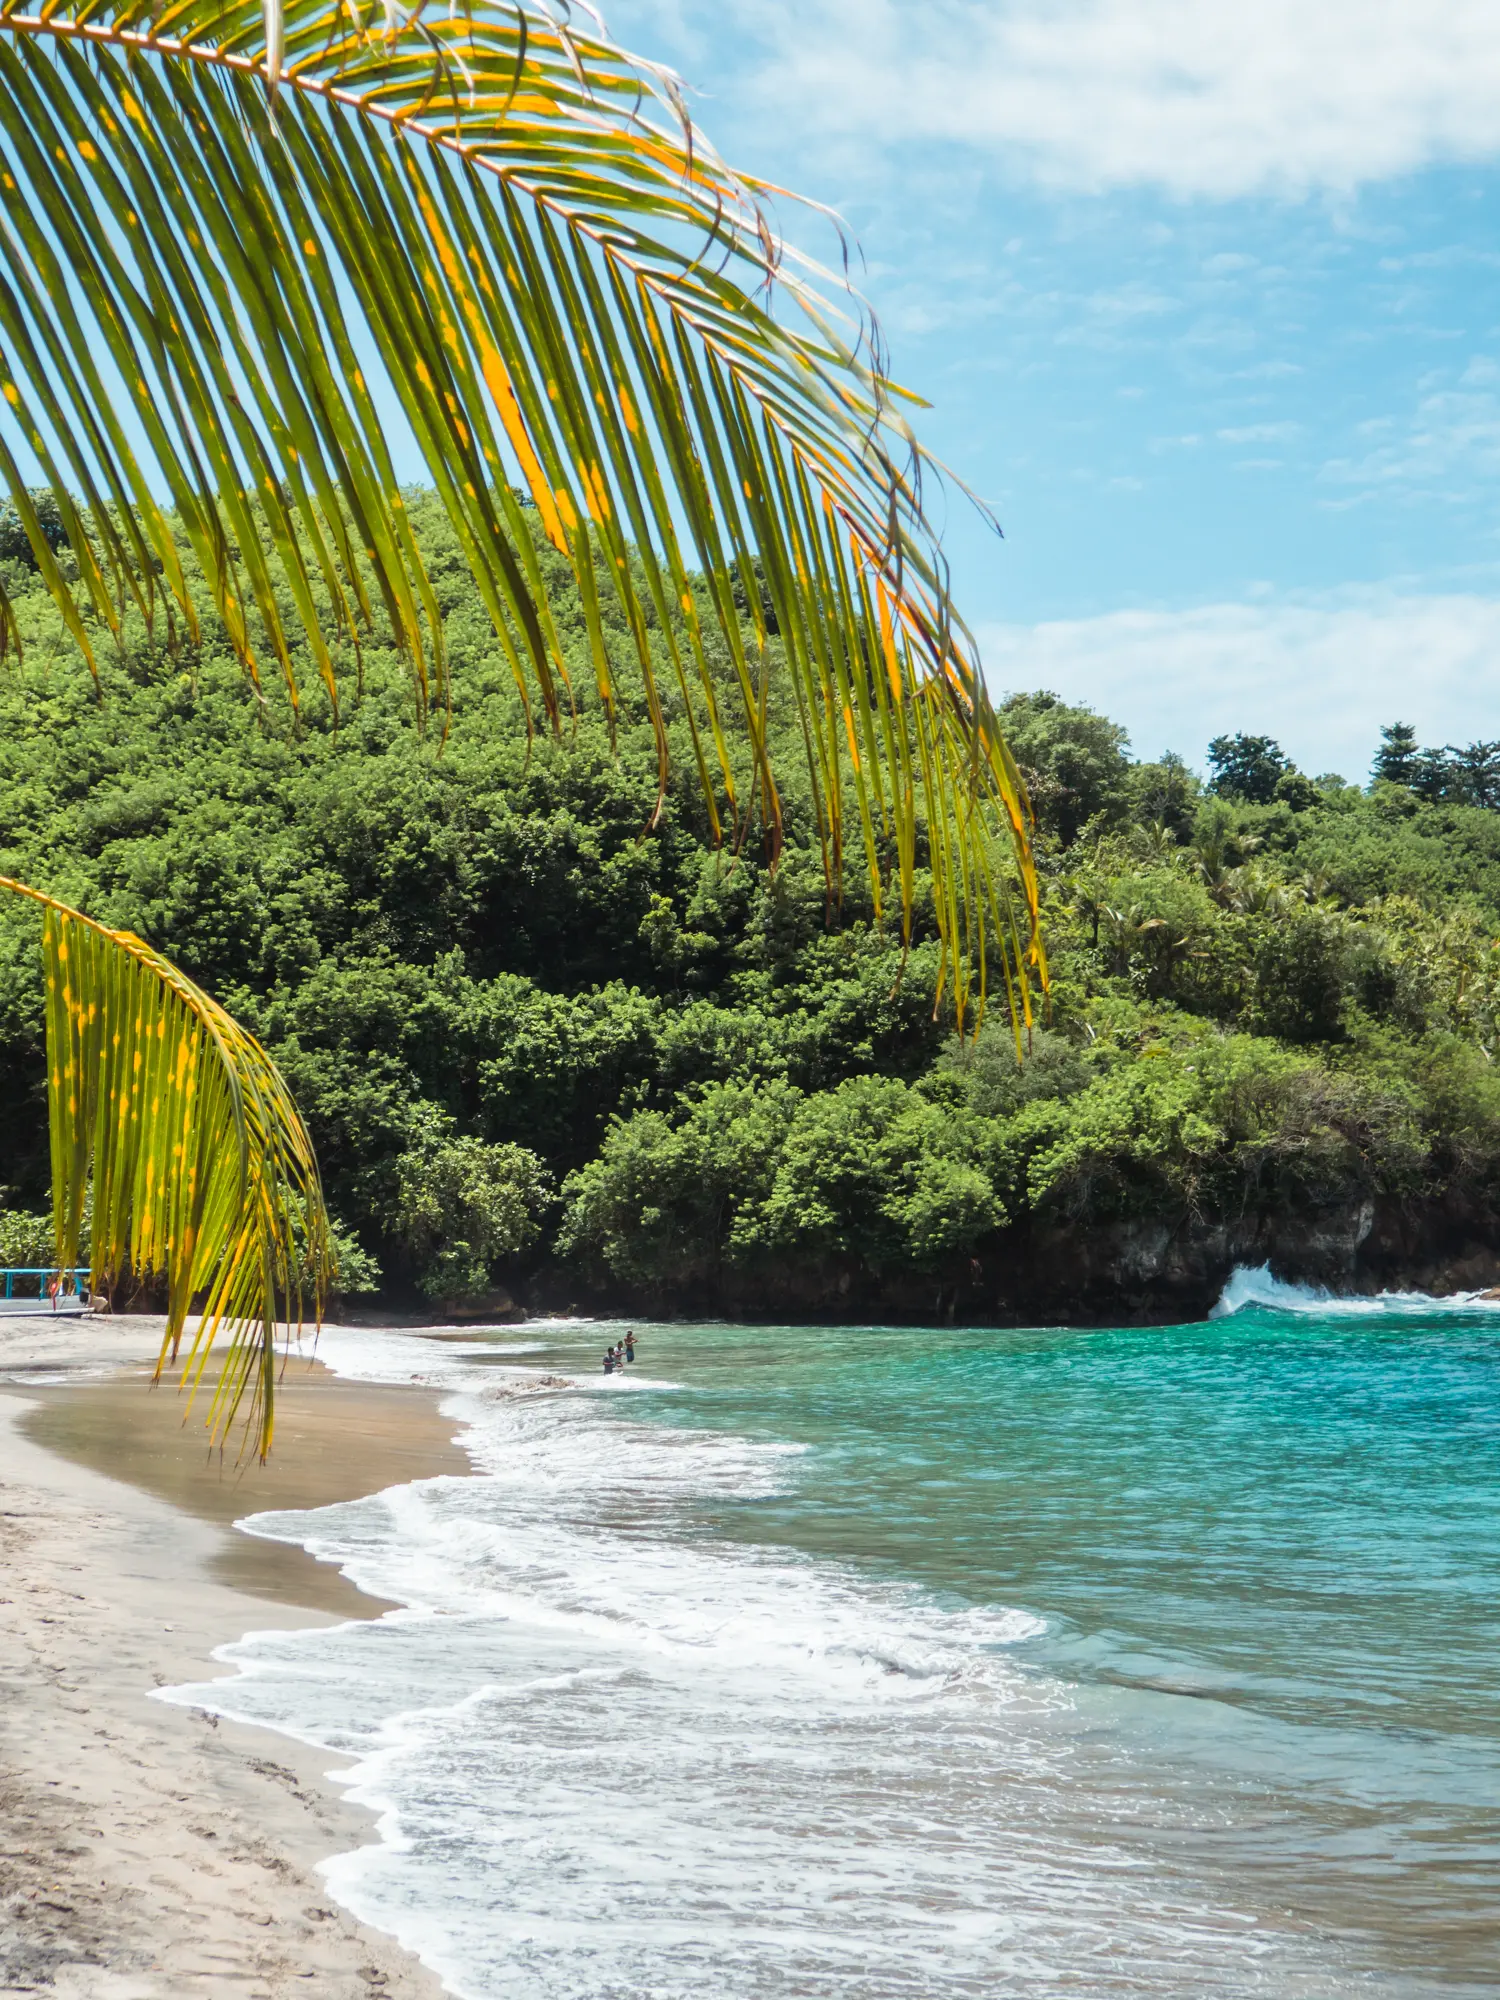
x: 1322, y: 677
x: 1200, y: 97
x: 1277, y: 433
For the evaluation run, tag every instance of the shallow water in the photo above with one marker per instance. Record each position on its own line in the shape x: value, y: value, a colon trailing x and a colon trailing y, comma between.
x: 872, y: 1663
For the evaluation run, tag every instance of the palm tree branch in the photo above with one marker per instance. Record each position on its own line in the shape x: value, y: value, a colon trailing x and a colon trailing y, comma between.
x: 558, y: 283
x: 201, y: 1172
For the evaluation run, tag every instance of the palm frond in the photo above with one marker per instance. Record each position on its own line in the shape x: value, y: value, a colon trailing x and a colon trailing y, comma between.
x: 201, y: 1170
x: 236, y: 236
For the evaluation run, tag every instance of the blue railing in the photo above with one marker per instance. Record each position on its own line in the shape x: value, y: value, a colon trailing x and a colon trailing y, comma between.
x: 43, y: 1273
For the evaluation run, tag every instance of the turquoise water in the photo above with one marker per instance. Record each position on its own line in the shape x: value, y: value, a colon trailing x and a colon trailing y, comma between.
x: 1289, y: 1516
x: 881, y: 1662
x: 1298, y: 1514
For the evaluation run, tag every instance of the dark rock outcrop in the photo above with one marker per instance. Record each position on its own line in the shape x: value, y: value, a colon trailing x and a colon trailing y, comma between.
x: 1159, y: 1271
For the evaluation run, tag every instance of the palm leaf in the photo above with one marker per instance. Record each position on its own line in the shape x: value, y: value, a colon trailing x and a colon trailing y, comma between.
x: 235, y: 238
x: 201, y: 1170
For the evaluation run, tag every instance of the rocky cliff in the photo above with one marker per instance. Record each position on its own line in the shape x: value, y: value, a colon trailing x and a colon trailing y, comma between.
x: 1155, y: 1272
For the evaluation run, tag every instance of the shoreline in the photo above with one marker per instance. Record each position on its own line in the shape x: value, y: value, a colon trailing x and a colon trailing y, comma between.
x: 335, y: 1440
x: 148, y: 1851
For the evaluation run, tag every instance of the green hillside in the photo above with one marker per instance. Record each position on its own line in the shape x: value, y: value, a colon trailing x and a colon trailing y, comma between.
x: 543, y: 1042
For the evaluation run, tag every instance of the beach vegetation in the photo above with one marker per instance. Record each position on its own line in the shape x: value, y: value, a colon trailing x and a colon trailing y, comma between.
x: 27, y: 1240
x: 544, y: 1033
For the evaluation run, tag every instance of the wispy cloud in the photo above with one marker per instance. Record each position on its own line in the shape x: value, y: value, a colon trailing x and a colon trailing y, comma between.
x: 1447, y: 449
x: 1284, y: 96
x: 1321, y: 675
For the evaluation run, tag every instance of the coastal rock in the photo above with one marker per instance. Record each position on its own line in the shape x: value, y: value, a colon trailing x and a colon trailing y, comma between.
x: 495, y: 1307
x: 1147, y: 1271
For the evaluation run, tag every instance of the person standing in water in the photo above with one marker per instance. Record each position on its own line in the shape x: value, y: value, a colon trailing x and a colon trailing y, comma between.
x: 630, y: 1345
x: 609, y: 1361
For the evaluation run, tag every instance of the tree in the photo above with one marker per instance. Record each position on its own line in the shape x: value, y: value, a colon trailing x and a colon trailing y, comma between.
x: 228, y: 249
x: 1433, y: 776
x: 1074, y: 761
x: 1467, y: 775
x: 1165, y: 794
x: 1295, y: 789
x: 1396, y: 759
x: 1476, y: 773
x: 15, y: 542
x: 1246, y: 767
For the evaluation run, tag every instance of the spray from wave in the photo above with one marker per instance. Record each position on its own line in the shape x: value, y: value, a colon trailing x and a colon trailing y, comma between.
x: 1256, y: 1288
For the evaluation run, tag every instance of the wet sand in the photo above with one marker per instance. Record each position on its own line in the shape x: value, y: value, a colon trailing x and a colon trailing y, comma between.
x: 148, y: 1852
x: 334, y: 1441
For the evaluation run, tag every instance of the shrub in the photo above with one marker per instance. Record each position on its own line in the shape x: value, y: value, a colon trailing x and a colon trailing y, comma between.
x: 666, y: 1199
x: 875, y: 1171
x: 460, y: 1205
x: 26, y: 1241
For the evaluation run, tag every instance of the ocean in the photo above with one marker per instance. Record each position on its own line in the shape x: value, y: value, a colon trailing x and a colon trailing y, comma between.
x: 879, y: 1663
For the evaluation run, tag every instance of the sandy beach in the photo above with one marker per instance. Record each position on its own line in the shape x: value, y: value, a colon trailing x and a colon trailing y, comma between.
x: 147, y: 1851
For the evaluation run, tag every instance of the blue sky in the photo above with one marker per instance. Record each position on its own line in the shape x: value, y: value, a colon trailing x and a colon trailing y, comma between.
x: 1206, y: 298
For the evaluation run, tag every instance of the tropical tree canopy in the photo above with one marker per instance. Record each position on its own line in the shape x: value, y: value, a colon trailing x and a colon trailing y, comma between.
x: 258, y: 256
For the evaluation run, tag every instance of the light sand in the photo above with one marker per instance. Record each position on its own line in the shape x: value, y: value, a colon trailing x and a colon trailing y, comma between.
x: 145, y: 1851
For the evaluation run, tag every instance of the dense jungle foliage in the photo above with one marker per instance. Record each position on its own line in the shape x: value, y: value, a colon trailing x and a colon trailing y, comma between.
x: 532, y: 1030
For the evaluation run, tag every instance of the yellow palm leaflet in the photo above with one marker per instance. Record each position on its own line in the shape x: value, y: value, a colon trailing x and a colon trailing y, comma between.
x: 202, y: 1177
